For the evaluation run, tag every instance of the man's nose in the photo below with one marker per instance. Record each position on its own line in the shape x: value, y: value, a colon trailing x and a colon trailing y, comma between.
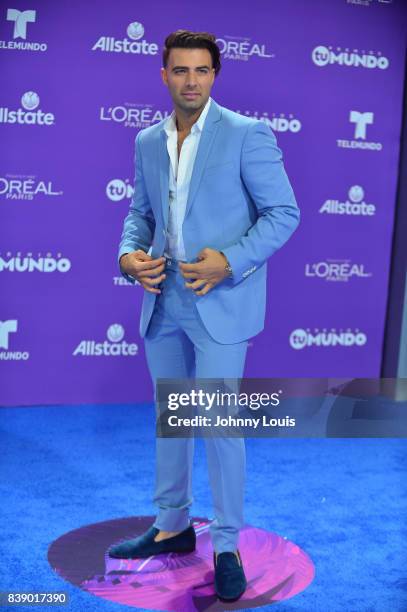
x: 191, y: 80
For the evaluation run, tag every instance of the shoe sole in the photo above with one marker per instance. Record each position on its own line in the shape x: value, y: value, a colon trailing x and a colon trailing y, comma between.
x: 164, y: 552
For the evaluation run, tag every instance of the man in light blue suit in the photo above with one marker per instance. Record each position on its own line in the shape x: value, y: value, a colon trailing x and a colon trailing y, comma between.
x: 212, y: 203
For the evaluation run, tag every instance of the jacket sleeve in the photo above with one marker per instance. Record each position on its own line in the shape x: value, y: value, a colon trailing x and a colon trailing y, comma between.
x: 264, y: 176
x: 139, y: 224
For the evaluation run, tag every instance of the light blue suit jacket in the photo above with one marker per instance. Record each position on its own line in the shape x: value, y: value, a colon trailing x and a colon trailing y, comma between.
x: 240, y: 202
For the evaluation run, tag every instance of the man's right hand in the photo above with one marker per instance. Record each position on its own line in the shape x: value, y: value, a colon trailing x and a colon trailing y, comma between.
x: 146, y: 270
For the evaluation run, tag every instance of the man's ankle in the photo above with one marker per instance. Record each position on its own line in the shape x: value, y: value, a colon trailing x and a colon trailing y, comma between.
x: 163, y: 535
x: 236, y: 552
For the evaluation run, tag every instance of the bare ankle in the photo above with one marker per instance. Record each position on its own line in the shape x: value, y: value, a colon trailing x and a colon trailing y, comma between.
x: 163, y: 535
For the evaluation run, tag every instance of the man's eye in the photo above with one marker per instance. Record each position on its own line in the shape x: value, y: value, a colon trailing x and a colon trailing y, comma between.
x: 179, y: 70
x: 203, y: 70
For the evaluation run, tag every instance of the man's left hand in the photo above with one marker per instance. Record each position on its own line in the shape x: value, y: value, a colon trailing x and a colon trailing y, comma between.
x: 207, y: 272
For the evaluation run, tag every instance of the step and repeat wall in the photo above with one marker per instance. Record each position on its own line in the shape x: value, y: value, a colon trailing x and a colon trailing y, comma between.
x: 80, y: 79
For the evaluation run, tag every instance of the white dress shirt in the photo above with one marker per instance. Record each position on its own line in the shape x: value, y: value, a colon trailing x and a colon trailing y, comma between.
x: 180, y: 172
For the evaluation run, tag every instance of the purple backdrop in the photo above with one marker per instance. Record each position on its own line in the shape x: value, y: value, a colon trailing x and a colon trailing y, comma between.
x: 80, y: 79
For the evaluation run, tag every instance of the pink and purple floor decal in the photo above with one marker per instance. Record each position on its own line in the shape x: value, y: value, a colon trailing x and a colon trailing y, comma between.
x: 275, y: 568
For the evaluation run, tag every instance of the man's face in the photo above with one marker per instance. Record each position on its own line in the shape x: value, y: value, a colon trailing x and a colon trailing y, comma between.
x: 189, y: 77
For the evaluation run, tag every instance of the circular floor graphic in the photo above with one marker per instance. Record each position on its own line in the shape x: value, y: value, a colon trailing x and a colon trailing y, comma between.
x: 275, y: 568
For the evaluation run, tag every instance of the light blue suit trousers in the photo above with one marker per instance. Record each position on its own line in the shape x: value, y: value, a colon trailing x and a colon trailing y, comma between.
x: 178, y: 346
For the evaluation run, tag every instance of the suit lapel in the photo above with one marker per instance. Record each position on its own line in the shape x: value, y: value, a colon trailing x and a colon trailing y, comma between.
x: 164, y: 162
x: 209, y: 131
x: 205, y: 144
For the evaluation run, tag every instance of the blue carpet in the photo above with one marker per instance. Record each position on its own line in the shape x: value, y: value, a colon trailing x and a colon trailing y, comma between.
x: 343, y: 501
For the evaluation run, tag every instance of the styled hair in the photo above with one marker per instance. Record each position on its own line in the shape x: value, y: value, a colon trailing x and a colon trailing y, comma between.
x: 184, y: 39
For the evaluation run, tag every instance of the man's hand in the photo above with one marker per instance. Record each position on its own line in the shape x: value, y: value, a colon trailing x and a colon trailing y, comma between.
x: 146, y: 270
x: 208, y: 271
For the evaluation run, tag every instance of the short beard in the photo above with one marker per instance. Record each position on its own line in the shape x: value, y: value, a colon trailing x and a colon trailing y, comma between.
x: 191, y: 109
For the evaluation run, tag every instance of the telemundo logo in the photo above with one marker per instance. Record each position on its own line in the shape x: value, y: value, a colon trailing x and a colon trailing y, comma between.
x: 304, y: 338
x: 8, y: 327
x: 361, y: 120
x: 324, y: 56
x: 21, y: 19
x: 30, y: 114
x: 135, y: 32
x: 114, y: 346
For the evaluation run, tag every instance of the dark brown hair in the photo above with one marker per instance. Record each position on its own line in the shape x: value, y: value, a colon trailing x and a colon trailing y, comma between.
x: 184, y: 39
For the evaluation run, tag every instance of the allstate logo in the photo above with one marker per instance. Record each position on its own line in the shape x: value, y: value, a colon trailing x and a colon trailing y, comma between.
x: 298, y: 338
x: 30, y: 100
x: 320, y: 55
x: 115, y: 332
x: 134, y: 43
x: 354, y: 205
x: 28, y: 113
x: 356, y: 193
x: 135, y: 30
x: 114, y: 346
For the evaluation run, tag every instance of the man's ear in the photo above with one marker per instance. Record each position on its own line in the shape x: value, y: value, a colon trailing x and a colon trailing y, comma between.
x: 164, y: 76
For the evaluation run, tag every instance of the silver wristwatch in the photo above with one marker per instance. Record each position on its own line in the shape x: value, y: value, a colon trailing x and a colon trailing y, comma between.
x: 228, y: 267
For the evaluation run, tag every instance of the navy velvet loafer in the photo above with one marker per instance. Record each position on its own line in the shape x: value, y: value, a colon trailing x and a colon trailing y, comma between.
x: 230, y: 580
x: 144, y: 545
